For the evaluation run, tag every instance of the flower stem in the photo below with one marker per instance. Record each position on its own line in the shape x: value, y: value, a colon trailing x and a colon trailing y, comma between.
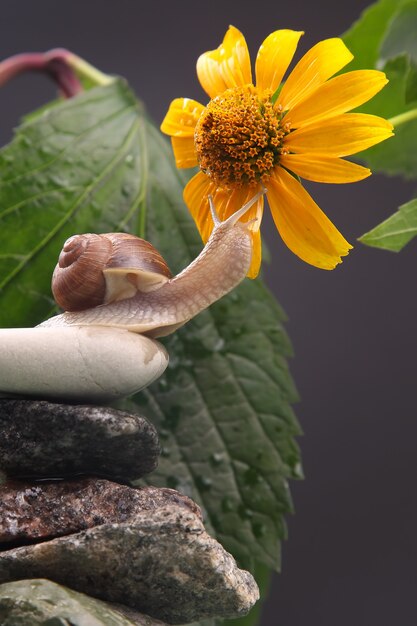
x: 84, y: 69
x: 402, y: 118
x: 64, y: 67
x: 53, y: 64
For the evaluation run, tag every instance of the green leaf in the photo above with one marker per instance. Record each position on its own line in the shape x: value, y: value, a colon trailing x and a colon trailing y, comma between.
x: 384, y: 37
x: 411, y: 83
x: 400, y: 36
x: 96, y: 164
x: 396, y: 231
x: 223, y: 408
x: 226, y: 426
x: 400, y: 41
x: 76, y: 167
x: 364, y: 38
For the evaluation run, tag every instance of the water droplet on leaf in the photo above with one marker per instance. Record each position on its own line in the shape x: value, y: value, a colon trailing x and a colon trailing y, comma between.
x: 259, y: 529
x: 217, y: 458
x: 219, y: 345
x: 203, y: 483
x: 244, y: 512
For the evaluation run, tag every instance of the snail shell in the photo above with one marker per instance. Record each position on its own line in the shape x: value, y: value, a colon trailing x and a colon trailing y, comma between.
x: 99, y: 269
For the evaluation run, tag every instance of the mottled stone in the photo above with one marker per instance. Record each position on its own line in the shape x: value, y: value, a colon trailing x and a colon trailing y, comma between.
x: 31, y: 512
x: 44, y: 603
x: 161, y: 563
x: 40, y: 438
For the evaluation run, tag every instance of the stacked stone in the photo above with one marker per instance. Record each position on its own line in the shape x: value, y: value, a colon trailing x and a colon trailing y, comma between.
x: 69, y: 514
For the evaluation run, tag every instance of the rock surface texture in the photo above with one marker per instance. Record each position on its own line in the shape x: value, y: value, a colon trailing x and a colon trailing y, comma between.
x: 44, y: 603
x: 145, y: 550
x: 44, y: 439
x: 161, y: 562
x: 33, y: 512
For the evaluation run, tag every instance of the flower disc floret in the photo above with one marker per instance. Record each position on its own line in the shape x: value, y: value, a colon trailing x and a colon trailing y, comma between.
x: 239, y: 137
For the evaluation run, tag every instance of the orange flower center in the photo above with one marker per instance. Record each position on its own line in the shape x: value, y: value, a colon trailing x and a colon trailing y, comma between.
x: 239, y: 137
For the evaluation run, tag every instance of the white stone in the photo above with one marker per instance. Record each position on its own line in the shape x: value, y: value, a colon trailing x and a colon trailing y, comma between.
x: 78, y: 363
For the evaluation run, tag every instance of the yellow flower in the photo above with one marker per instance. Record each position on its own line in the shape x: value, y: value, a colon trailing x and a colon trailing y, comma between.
x: 249, y: 137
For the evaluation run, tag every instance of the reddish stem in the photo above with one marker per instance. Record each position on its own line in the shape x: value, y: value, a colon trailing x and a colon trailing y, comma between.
x: 53, y: 63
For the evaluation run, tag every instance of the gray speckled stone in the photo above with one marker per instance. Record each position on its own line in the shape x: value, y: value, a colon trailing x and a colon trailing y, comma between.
x: 33, y: 512
x: 40, y: 438
x: 161, y: 563
x: 41, y: 602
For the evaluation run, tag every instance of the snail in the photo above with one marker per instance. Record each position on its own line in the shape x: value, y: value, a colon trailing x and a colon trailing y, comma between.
x: 155, y: 306
x: 99, y: 269
x: 119, y: 303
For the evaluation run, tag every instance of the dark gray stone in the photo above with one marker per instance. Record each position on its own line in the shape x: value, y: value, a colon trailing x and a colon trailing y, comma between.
x: 33, y: 512
x: 44, y: 603
x: 161, y: 563
x: 40, y: 438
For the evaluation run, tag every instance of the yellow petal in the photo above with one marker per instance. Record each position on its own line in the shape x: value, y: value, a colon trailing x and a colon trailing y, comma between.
x: 274, y: 57
x: 182, y: 117
x: 256, y: 254
x: 320, y: 63
x: 338, y: 95
x: 301, y: 223
x: 227, y: 66
x: 226, y: 202
x: 195, y: 195
x: 324, y: 169
x: 184, y: 151
x: 229, y: 201
x: 340, y: 136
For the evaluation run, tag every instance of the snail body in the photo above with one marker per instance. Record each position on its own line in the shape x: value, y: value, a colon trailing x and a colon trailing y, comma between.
x: 157, y: 308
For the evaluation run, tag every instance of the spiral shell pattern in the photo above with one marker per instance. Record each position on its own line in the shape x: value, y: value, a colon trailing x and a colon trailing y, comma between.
x: 78, y: 282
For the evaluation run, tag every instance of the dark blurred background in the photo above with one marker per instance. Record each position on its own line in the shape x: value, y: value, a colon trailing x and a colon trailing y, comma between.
x: 351, y: 554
